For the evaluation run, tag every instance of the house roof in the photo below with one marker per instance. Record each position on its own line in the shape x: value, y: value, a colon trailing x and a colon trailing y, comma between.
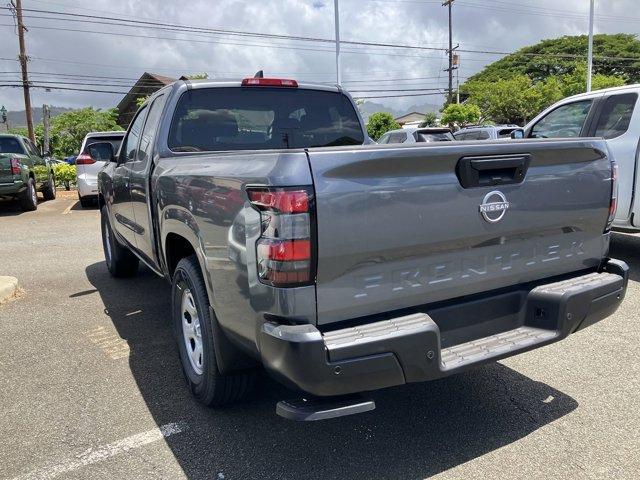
x: 409, y: 116
x: 147, y: 84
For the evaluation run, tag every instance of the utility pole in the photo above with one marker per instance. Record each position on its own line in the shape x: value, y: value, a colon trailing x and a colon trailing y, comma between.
x: 336, y: 10
x: 17, y: 5
x: 590, y: 54
x: 449, y: 4
x: 456, y: 63
x: 46, y: 117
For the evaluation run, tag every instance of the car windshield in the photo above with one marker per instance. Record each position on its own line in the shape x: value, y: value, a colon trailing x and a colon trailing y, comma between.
x: 10, y: 145
x: 258, y: 118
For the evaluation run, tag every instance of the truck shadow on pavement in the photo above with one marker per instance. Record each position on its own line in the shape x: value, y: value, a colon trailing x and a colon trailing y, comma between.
x: 416, y: 431
x: 10, y: 207
x: 627, y: 247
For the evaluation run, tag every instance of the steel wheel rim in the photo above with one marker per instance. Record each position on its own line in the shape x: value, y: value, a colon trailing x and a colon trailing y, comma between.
x: 191, y: 331
x: 34, y: 195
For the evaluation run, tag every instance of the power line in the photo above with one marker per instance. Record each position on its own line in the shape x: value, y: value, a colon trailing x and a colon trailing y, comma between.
x: 191, y: 29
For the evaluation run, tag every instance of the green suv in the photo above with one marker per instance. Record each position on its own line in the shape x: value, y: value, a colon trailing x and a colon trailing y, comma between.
x: 24, y: 172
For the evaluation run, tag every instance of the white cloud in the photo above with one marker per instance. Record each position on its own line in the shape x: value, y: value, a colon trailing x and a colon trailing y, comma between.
x: 495, y: 25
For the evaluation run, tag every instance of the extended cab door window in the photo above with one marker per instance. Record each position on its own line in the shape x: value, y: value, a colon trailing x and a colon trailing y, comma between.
x: 129, y: 147
x: 616, y: 115
x: 565, y: 121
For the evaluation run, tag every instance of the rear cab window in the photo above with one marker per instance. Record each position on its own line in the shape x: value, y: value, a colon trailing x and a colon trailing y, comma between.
x: 114, y: 140
x: 433, y: 136
x: 398, y: 137
x: 11, y: 145
x: 615, y: 116
x: 259, y: 118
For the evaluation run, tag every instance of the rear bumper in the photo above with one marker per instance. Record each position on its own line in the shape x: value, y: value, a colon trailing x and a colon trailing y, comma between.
x: 87, y: 185
x: 411, y: 348
x: 12, y: 189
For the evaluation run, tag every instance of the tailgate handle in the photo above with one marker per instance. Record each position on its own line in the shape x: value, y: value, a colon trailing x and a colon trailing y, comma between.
x: 492, y: 170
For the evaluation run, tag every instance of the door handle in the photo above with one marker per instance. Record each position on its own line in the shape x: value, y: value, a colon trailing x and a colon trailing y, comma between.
x: 492, y: 170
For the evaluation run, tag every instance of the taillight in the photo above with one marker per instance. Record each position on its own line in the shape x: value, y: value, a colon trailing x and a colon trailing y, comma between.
x: 269, y: 82
x: 613, y: 204
x: 84, y: 159
x: 16, y: 169
x: 285, y: 249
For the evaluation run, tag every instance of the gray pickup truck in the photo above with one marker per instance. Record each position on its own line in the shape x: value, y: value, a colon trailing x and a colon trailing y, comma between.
x: 343, y: 267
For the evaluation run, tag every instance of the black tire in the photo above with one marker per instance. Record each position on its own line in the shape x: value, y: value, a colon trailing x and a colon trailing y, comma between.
x: 209, y: 386
x: 120, y: 261
x: 86, y: 202
x: 49, y: 191
x: 29, y: 199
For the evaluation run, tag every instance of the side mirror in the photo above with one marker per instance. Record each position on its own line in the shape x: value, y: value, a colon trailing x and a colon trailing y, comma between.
x: 102, y: 152
x: 517, y: 133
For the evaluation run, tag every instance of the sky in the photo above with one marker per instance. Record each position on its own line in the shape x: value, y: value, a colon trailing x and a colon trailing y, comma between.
x: 124, y: 53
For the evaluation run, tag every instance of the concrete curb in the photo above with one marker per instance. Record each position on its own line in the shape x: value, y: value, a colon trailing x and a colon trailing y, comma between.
x: 8, y: 287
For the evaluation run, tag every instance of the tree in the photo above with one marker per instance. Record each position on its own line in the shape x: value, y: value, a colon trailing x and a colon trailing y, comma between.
x: 518, y: 99
x: 460, y: 114
x: 508, y: 100
x: 380, y: 123
x: 430, y: 120
x: 574, y: 82
x: 617, y: 55
x: 69, y: 129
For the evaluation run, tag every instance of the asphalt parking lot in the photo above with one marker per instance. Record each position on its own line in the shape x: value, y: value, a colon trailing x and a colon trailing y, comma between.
x: 90, y: 387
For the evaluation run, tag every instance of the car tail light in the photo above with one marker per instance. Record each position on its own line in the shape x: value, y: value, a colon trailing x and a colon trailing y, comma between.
x: 269, y: 82
x: 84, y: 159
x: 285, y: 251
x: 613, y: 204
x: 16, y: 169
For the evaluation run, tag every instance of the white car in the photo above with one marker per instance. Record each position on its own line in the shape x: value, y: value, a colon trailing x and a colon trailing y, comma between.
x: 613, y: 114
x: 417, y: 135
x: 87, y: 168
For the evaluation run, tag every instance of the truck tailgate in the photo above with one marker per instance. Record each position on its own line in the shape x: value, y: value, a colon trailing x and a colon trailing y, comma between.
x: 397, y: 228
x: 5, y: 169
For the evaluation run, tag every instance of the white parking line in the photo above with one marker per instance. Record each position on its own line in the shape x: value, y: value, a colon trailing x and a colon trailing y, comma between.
x: 91, y: 456
x: 68, y: 209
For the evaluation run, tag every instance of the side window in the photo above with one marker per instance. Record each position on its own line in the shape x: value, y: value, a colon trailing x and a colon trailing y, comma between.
x: 148, y: 134
x: 129, y: 146
x: 616, y: 115
x: 460, y: 136
x: 564, y: 121
x: 31, y: 148
x: 482, y: 135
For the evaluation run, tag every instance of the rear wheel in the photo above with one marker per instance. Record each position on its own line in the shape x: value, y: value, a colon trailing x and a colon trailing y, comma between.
x: 85, y: 202
x: 120, y: 261
x: 193, y: 326
x: 29, y: 199
x: 49, y: 191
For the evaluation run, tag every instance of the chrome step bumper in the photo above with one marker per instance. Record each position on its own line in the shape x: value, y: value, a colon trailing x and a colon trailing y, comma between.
x: 409, y: 348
